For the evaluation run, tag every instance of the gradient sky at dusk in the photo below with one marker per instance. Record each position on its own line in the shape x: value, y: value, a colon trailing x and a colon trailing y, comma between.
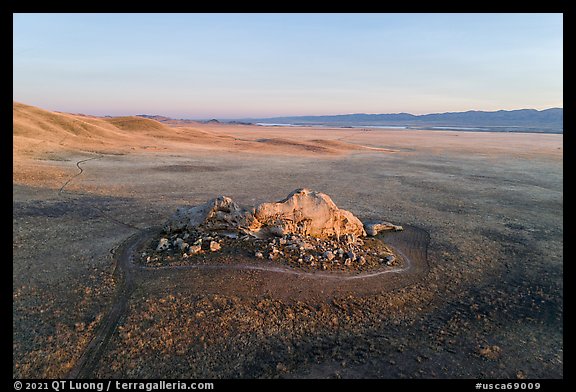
x: 263, y: 65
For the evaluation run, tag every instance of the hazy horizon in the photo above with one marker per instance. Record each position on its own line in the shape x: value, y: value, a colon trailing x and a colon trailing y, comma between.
x: 361, y: 113
x: 234, y: 66
x: 283, y: 116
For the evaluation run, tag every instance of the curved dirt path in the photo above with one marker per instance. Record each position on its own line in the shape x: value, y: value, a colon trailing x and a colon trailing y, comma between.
x: 410, y: 245
x: 77, y: 174
x: 62, y: 193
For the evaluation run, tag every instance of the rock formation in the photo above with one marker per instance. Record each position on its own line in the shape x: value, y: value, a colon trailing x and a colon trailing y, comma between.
x: 303, y: 212
x: 218, y: 214
x: 306, y: 212
x: 306, y: 229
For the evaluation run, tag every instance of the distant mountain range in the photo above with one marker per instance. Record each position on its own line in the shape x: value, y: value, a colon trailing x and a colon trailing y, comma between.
x: 522, y: 120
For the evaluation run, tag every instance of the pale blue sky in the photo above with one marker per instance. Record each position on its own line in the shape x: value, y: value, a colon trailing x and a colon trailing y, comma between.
x: 261, y: 65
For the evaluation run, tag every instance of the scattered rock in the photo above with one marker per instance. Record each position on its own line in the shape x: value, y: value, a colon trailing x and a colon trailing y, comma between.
x: 214, y: 246
x: 328, y: 255
x: 194, y: 249
x: 305, y: 229
x: 373, y: 228
x: 180, y: 244
x: 520, y: 375
x: 490, y: 352
x: 163, y: 244
x: 281, y: 368
x: 301, y: 251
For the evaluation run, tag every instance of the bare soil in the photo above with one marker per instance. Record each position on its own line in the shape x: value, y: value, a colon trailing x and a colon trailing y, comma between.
x: 486, y: 207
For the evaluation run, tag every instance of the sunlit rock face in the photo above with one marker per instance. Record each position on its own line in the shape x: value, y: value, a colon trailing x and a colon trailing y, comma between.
x: 303, y: 212
x: 307, y: 212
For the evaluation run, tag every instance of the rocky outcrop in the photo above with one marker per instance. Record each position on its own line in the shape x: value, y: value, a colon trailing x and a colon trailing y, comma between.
x: 303, y: 212
x: 306, y: 212
x: 306, y: 229
x: 218, y: 214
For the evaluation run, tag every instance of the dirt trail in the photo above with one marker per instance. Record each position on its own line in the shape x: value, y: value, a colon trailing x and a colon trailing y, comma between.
x: 411, y: 245
x: 91, y: 355
x: 493, y: 200
x: 77, y: 174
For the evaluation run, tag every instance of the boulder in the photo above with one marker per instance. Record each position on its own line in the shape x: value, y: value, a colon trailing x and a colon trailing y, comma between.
x: 163, y: 244
x: 214, y: 246
x: 328, y: 255
x: 306, y: 212
x: 194, y: 249
x: 373, y: 228
x: 180, y: 244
